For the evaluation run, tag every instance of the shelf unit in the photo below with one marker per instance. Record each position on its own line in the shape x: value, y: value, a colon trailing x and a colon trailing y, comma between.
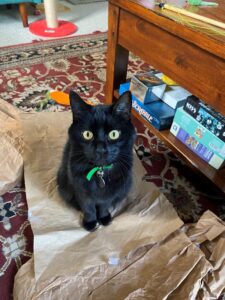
x: 216, y: 176
x: 193, y: 58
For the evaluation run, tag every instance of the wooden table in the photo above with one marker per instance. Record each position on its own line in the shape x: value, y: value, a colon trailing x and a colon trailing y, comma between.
x: 193, y: 58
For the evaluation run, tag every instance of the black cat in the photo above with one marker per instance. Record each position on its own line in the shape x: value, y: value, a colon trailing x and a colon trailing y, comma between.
x: 96, y: 169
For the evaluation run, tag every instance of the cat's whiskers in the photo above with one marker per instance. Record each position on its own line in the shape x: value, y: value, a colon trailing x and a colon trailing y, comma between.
x: 78, y: 155
x: 84, y: 164
x: 83, y: 170
x: 124, y: 154
x: 122, y: 169
x: 125, y: 162
x: 80, y: 159
x: 123, y: 157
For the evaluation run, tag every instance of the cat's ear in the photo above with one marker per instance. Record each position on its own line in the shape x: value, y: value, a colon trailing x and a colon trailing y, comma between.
x: 78, y: 106
x: 123, y: 106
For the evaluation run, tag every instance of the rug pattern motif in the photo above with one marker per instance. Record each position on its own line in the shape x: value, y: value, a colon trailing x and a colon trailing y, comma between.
x: 26, y: 75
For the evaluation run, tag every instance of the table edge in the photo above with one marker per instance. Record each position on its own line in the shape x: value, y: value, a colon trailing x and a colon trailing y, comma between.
x: 199, y: 39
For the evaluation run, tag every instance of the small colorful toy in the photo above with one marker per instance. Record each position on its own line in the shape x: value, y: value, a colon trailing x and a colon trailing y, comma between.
x: 202, y: 3
x: 62, y: 98
x: 59, y: 97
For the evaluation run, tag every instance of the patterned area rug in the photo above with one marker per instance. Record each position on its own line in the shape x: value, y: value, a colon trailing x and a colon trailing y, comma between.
x: 27, y: 73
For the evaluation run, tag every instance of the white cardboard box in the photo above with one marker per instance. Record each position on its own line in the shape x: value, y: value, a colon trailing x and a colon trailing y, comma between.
x: 174, y: 96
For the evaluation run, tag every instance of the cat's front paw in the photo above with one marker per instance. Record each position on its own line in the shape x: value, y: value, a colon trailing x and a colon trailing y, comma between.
x: 90, y: 225
x: 105, y: 220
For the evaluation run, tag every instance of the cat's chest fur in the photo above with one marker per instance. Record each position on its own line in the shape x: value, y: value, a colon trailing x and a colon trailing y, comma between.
x: 116, y: 183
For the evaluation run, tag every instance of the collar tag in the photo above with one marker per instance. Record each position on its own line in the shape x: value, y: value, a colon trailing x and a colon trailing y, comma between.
x: 101, y: 181
x: 96, y: 169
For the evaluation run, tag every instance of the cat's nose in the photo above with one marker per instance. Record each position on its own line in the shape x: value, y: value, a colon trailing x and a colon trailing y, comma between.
x: 101, y: 149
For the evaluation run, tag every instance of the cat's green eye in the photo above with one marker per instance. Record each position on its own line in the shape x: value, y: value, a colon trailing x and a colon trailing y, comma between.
x: 87, y: 135
x: 114, y: 134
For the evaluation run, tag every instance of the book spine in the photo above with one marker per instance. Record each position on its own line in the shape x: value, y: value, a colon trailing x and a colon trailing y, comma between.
x: 206, y: 116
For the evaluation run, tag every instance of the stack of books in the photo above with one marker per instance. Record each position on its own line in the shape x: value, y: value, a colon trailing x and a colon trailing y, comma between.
x: 153, y: 99
x: 201, y: 129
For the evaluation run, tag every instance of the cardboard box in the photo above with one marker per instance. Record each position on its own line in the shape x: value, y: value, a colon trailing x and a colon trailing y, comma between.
x: 146, y: 87
x: 157, y: 113
x: 198, y: 138
x: 206, y: 115
x: 174, y: 95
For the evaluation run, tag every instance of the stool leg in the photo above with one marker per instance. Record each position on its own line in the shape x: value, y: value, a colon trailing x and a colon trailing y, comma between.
x: 23, y: 14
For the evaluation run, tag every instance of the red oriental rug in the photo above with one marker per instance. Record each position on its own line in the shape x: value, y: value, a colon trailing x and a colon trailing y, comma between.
x: 27, y: 73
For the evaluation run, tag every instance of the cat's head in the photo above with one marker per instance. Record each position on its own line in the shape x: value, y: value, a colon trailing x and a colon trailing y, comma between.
x: 102, y: 134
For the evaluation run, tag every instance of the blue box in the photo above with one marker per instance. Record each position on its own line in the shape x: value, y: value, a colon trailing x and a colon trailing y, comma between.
x: 198, y: 138
x: 157, y: 113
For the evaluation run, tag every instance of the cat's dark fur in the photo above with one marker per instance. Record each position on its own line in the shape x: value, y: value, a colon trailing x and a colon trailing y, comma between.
x: 81, y: 155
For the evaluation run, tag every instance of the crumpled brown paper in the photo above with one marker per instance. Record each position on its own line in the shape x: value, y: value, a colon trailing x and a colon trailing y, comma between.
x: 174, y: 268
x: 11, y: 147
x: 144, y: 254
x: 209, y: 234
x: 57, y: 231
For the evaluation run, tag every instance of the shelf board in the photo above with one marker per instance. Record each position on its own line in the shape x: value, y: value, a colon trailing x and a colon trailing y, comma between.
x: 216, y: 176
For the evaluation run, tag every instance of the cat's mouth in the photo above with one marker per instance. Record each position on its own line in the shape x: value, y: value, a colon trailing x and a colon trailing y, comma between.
x: 101, y: 163
x: 101, y: 160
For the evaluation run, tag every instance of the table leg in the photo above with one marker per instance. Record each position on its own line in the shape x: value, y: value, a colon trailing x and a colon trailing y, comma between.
x: 23, y: 14
x: 117, y: 56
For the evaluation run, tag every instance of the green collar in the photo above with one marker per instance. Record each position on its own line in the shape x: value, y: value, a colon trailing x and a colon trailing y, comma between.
x: 96, y: 169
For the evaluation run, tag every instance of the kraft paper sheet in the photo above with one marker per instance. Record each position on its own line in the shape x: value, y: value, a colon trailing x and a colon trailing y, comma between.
x: 174, y: 269
x: 11, y: 147
x: 146, y: 253
x: 57, y: 231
